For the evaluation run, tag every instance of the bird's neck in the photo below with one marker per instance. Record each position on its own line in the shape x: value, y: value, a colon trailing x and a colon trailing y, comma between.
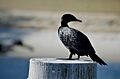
x: 64, y: 24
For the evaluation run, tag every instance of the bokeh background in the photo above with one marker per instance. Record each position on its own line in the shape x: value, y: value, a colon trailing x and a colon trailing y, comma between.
x: 28, y: 28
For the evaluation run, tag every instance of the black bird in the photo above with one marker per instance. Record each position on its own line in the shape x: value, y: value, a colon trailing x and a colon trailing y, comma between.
x: 5, y: 48
x: 20, y: 43
x: 77, y: 42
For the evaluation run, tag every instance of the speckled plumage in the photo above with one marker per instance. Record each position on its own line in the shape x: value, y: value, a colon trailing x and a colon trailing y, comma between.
x: 76, y: 41
x: 67, y: 36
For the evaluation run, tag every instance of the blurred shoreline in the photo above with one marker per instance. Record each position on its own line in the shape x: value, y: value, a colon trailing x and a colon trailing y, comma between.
x: 95, y: 22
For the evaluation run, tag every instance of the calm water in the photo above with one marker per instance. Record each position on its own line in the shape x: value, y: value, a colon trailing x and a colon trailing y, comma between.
x: 17, y: 68
x: 13, y: 68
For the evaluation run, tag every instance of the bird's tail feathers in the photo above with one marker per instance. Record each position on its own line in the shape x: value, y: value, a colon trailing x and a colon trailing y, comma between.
x: 94, y: 57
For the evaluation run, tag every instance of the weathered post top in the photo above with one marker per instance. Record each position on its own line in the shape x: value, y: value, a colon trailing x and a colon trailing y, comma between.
x: 58, y: 68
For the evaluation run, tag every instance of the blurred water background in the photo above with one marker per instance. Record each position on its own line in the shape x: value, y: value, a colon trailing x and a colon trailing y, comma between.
x: 35, y: 24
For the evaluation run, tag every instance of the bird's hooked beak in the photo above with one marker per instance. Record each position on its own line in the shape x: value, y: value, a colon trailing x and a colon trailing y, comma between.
x: 78, y: 20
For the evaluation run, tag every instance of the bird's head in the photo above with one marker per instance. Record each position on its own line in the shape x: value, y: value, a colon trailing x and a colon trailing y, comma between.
x: 18, y: 42
x: 68, y: 18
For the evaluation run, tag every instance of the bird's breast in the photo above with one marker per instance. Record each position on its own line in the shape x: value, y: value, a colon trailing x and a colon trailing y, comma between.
x: 67, y: 36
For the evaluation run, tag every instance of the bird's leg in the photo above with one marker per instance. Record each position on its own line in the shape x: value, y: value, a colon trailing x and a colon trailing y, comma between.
x: 70, y: 56
x: 78, y: 57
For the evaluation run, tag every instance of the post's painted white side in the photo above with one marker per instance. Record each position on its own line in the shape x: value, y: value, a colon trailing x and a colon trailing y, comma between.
x: 52, y: 68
